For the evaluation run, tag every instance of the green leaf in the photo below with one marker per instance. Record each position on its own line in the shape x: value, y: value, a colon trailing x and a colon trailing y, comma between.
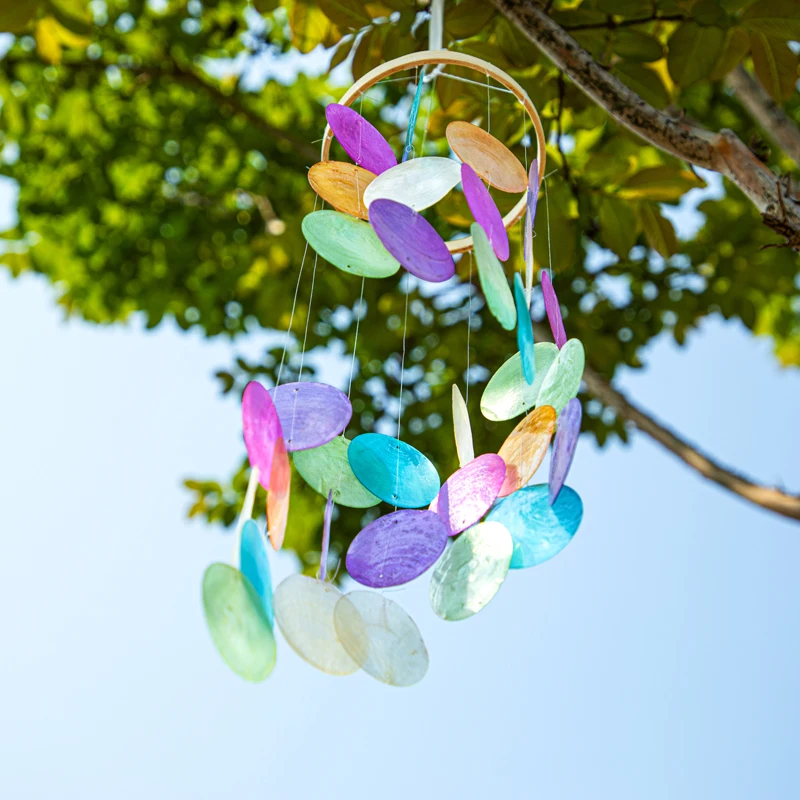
x: 644, y: 81
x: 345, y: 14
x: 514, y: 44
x: 618, y: 225
x: 709, y: 12
x: 637, y: 46
x: 73, y: 15
x: 775, y: 65
x: 310, y: 27
x: 662, y: 184
x: 467, y: 19
x: 658, y: 230
x: 693, y: 52
x: 778, y: 18
x: 626, y: 8
x: 16, y: 15
x: 266, y: 6
x: 734, y: 49
x: 340, y: 53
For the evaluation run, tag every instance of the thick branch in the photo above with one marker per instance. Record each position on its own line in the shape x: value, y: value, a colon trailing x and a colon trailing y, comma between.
x: 769, y: 116
x: 722, y: 152
x: 787, y: 505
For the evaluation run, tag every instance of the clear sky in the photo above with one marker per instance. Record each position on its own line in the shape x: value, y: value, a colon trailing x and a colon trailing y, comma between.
x: 656, y: 657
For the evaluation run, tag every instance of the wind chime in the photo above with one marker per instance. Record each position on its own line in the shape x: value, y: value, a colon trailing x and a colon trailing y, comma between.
x: 485, y: 519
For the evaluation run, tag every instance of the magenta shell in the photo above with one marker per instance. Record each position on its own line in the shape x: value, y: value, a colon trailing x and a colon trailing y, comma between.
x: 553, y: 311
x: 396, y: 548
x: 311, y: 414
x: 469, y: 492
x: 261, y: 428
x: 360, y: 140
x: 412, y: 240
x: 566, y: 440
x: 484, y: 211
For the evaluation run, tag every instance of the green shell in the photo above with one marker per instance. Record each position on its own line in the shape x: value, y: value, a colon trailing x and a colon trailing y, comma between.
x: 493, y: 280
x: 508, y: 394
x: 348, y: 243
x: 237, y: 622
x: 563, y: 379
x: 326, y: 467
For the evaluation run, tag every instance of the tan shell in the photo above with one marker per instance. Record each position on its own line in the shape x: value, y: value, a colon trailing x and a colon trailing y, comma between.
x: 525, y: 447
x: 488, y: 156
x: 342, y: 185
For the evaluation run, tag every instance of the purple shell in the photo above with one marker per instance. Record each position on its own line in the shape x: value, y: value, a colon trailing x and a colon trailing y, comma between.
x: 261, y: 428
x: 412, y: 240
x: 360, y: 140
x: 396, y: 548
x: 311, y: 414
x: 553, y: 311
x: 469, y: 492
x: 326, y: 537
x: 567, y: 433
x: 532, y: 199
x: 485, y: 211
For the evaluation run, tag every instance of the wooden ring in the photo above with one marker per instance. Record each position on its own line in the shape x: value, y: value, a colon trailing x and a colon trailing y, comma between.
x: 446, y: 57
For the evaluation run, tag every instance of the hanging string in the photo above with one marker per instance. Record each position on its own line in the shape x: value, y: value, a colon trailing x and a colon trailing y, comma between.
x: 468, y: 80
x: 469, y: 332
x: 427, y: 115
x: 294, y: 306
x: 408, y: 149
x: 400, y: 396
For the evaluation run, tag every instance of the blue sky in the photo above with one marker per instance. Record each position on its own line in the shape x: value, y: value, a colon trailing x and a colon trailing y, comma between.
x: 655, y: 657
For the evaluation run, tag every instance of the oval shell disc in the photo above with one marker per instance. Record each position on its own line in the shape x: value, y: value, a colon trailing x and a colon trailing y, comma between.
x: 539, y: 530
x: 524, y: 330
x: 311, y: 414
x: 255, y: 565
x: 485, y: 211
x: 553, y: 310
x: 508, y: 394
x: 412, y: 240
x: 238, y: 625
x: 261, y: 427
x: 418, y: 183
x: 381, y: 638
x: 348, y: 243
x: 525, y: 448
x: 361, y: 140
x: 393, y: 470
x: 327, y: 469
x: 278, y: 496
x: 304, y: 610
x: 493, y: 280
x: 462, y: 429
x: 396, y: 548
x: 471, y: 572
x: 488, y: 156
x: 469, y: 492
x: 563, y: 379
x: 342, y: 185
x: 567, y: 433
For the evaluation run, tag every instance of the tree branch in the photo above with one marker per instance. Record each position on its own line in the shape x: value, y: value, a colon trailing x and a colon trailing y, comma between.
x: 787, y: 505
x: 769, y: 116
x: 624, y: 23
x: 768, y: 497
x: 722, y: 152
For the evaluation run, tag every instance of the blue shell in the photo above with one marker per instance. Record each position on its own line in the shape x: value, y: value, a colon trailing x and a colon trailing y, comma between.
x: 255, y: 565
x: 393, y: 470
x: 539, y: 530
x: 524, y: 331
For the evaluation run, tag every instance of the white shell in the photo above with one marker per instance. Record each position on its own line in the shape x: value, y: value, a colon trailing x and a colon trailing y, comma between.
x: 462, y: 429
x: 304, y: 611
x: 381, y: 638
x: 418, y: 183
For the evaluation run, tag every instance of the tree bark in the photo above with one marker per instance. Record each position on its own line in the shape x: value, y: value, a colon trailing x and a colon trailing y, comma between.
x: 766, y: 113
x: 722, y: 152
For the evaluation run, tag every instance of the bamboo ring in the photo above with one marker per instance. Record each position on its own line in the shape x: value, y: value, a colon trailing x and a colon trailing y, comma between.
x: 445, y: 57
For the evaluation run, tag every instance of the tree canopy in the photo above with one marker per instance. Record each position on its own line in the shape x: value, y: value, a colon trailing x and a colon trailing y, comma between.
x: 161, y: 150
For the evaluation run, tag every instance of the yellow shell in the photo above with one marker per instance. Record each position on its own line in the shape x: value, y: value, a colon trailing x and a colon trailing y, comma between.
x: 342, y: 185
